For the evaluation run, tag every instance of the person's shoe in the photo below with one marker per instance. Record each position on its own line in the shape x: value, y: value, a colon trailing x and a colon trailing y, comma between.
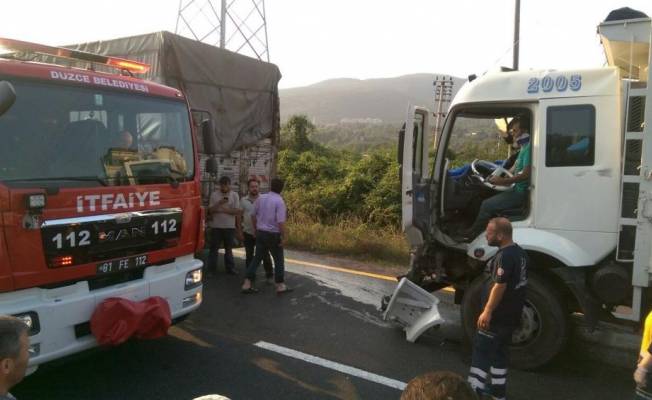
x: 231, y: 271
x: 248, y: 287
x: 281, y: 288
x: 269, y: 281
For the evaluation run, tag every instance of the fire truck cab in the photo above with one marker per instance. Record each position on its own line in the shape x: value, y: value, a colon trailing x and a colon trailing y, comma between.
x: 99, y: 194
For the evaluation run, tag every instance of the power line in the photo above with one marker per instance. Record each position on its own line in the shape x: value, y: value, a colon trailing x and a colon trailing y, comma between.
x: 236, y: 25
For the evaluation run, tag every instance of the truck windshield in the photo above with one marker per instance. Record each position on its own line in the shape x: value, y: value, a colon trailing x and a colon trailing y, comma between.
x: 476, y: 136
x: 77, y: 136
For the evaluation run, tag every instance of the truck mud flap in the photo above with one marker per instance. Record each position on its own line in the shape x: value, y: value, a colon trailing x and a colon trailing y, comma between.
x: 413, y: 308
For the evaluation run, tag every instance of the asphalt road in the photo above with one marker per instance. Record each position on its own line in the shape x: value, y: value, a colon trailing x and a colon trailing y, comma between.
x: 224, y: 348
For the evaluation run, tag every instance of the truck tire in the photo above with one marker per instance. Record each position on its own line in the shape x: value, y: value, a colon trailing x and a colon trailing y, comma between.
x: 544, y: 325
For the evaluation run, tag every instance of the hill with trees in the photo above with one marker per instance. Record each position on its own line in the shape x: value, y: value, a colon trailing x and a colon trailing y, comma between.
x: 375, y: 101
x: 359, y: 115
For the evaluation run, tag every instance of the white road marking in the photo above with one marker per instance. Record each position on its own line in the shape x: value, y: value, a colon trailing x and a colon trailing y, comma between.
x: 345, y: 369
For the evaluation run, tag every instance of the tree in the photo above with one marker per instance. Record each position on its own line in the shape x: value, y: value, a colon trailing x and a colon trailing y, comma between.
x: 296, y: 134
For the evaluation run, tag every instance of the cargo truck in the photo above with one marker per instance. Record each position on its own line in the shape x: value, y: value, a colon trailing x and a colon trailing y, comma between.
x: 587, y: 220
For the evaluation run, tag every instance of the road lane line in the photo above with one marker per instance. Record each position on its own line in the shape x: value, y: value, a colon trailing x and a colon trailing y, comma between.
x: 331, y: 268
x: 340, y: 269
x: 345, y: 369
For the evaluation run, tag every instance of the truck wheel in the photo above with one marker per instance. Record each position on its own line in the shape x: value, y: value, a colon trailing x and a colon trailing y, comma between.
x: 544, y: 324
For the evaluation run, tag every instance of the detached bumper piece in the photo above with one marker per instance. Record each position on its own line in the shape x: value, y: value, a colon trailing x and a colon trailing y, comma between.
x: 413, y: 308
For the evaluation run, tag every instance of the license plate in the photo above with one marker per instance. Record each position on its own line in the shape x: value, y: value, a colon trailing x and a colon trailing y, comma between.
x: 122, y: 264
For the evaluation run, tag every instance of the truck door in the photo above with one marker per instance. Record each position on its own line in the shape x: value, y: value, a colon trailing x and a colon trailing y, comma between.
x: 576, y: 176
x: 415, y: 188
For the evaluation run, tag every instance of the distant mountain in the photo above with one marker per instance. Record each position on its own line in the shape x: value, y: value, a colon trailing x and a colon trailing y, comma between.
x: 367, y: 101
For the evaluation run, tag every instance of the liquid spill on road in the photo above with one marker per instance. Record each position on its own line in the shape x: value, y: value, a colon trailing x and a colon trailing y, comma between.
x: 361, y: 315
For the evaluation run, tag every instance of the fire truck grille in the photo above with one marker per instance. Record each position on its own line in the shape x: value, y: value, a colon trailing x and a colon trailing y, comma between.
x: 75, y: 241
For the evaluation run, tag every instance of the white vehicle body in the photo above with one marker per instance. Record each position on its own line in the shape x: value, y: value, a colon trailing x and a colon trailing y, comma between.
x: 587, y: 222
x: 581, y: 233
x: 64, y: 312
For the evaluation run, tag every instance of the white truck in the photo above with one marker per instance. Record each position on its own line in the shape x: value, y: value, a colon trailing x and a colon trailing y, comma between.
x: 587, y: 223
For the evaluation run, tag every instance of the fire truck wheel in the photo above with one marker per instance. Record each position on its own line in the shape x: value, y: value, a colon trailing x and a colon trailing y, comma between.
x: 544, y: 323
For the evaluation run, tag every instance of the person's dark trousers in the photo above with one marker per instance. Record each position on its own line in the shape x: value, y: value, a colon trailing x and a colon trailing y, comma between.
x: 225, y: 237
x: 268, y: 242
x: 250, y: 245
x: 493, y: 205
x: 488, y: 374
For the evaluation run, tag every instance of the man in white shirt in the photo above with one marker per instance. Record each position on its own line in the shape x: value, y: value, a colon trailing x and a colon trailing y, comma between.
x: 247, y: 205
x: 224, y: 221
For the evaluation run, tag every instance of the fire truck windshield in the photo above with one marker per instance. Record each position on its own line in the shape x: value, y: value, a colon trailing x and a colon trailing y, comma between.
x: 77, y: 136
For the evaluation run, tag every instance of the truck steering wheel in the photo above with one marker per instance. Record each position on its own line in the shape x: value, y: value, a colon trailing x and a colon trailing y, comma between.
x: 483, y: 170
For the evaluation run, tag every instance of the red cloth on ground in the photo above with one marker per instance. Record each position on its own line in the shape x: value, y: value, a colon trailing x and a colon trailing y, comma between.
x: 115, y: 320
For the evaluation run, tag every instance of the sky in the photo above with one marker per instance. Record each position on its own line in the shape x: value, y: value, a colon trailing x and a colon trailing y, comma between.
x: 316, y: 40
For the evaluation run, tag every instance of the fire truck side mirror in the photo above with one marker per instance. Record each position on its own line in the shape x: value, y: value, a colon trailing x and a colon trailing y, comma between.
x: 7, y: 96
x: 208, y: 135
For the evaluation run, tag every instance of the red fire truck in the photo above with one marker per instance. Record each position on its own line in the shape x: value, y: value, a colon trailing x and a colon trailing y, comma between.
x: 99, y: 194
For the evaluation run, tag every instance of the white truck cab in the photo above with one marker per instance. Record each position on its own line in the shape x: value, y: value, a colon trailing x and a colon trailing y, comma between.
x: 587, y: 219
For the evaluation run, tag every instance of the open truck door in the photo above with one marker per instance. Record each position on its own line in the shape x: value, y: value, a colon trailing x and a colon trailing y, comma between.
x: 415, y: 190
x: 410, y: 306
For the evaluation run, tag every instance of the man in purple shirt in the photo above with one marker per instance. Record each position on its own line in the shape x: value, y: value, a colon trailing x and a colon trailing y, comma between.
x: 269, y: 219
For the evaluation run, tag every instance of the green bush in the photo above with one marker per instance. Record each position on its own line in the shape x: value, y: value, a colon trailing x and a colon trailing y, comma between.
x: 350, y: 237
x: 326, y: 185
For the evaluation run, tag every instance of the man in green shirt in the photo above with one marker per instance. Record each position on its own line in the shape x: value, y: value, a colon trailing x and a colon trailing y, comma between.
x: 517, y: 196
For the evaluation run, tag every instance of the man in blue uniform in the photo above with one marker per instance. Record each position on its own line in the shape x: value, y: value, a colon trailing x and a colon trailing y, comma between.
x: 502, y: 303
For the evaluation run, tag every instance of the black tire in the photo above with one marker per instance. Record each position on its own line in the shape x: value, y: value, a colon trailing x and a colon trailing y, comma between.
x: 544, y: 328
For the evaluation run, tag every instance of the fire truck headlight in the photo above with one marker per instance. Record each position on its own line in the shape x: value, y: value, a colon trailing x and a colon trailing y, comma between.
x: 193, y: 279
x: 35, y: 202
x: 191, y: 300
x: 31, y: 320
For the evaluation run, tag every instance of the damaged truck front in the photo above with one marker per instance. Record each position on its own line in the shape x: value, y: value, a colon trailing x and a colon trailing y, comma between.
x: 585, y: 222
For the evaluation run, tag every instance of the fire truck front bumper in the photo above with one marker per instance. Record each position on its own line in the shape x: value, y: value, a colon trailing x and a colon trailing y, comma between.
x: 60, y: 318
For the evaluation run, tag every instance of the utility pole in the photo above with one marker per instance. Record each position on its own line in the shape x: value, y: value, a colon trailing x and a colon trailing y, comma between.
x: 206, y: 21
x: 443, y: 95
x: 517, y: 28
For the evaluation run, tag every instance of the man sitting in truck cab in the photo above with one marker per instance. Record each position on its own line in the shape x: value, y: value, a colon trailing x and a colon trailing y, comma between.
x: 517, y: 196
x: 125, y: 140
x: 508, y: 163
